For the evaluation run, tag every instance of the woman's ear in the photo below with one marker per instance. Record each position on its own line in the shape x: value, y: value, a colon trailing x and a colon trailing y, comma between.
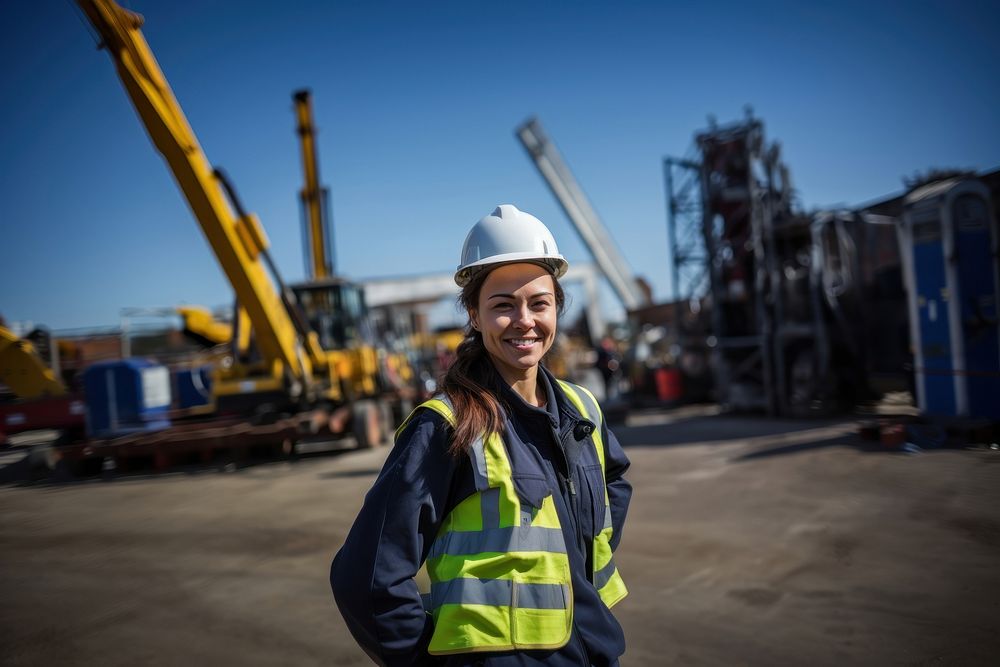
x: 474, y: 319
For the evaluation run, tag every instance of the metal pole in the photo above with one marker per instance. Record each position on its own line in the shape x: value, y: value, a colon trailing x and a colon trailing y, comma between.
x: 672, y: 228
x: 574, y: 203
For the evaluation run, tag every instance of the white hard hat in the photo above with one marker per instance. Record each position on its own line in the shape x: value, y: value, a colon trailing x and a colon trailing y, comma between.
x: 506, y: 236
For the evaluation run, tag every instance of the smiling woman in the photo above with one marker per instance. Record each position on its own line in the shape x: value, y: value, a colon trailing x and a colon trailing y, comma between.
x: 507, y: 487
x: 516, y: 317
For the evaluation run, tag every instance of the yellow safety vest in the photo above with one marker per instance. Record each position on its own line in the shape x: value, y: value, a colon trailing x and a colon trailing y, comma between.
x: 499, y: 571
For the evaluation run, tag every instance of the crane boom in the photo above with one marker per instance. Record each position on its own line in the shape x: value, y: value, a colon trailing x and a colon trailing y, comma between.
x: 318, y: 238
x: 576, y: 206
x: 238, y: 240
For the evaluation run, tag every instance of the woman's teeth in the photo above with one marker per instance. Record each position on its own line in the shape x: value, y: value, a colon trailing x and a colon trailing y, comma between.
x: 521, y: 342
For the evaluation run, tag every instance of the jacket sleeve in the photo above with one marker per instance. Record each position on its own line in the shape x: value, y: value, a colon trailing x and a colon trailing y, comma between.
x: 619, y: 489
x: 372, y: 574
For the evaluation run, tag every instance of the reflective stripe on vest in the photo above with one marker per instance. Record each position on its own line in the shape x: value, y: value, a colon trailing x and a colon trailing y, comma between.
x: 607, y: 581
x: 499, y: 572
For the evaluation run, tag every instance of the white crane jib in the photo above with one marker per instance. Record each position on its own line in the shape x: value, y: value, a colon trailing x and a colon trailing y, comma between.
x: 578, y: 209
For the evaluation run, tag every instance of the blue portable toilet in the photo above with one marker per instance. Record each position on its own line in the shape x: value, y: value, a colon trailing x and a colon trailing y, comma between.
x: 949, y: 241
x: 126, y: 396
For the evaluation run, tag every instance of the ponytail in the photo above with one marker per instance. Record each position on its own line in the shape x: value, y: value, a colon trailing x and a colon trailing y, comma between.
x: 477, y: 410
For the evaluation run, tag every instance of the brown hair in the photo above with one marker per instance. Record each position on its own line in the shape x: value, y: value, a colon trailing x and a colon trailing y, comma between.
x: 477, y: 409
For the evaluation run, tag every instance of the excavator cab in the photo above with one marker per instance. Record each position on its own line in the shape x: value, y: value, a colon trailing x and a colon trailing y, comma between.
x: 335, y: 309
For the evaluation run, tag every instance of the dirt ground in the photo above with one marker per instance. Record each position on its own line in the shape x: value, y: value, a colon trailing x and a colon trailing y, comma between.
x: 750, y: 541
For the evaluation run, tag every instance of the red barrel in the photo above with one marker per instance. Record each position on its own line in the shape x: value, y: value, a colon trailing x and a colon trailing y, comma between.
x: 668, y: 384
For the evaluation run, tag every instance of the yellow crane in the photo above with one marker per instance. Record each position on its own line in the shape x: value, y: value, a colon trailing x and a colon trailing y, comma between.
x: 293, y: 368
x: 315, y: 198
x: 335, y: 307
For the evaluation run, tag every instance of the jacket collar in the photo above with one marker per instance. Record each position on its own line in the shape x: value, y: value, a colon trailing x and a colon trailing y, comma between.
x: 562, y: 414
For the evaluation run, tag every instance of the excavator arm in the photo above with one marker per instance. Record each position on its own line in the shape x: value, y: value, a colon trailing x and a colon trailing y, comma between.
x: 237, y: 239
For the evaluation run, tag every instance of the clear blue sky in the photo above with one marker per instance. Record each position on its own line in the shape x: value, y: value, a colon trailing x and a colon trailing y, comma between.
x: 416, y: 104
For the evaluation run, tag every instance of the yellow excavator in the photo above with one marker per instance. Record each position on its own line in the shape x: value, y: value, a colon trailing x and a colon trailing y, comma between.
x: 295, y: 365
x: 38, y: 398
x: 23, y: 371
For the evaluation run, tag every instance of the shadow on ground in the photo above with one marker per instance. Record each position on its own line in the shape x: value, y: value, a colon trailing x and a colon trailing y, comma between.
x: 669, y: 431
x: 766, y: 436
x: 851, y: 440
x: 347, y: 474
x: 31, y: 470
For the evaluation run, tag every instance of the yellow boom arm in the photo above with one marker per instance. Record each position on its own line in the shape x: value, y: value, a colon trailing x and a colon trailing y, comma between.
x: 318, y: 236
x: 238, y: 240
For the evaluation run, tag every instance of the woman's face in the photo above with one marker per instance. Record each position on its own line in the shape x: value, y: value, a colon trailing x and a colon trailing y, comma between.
x: 517, y: 317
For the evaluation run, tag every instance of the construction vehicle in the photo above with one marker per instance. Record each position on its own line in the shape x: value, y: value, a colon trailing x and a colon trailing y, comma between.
x: 36, y: 397
x: 23, y: 370
x: 333, y: 306
x: 290, y: 370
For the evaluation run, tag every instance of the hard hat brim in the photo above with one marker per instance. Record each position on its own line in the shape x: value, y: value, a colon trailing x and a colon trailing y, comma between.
x: 554, y: 264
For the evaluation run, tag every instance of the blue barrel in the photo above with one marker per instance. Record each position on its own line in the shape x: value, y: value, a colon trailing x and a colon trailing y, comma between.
x: 126, y: 396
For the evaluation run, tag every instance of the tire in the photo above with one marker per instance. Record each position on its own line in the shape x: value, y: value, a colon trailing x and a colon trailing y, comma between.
x: 386, y: 422
x: 365, y: 424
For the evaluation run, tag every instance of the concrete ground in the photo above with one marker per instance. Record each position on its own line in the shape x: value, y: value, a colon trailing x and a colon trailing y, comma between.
x: 750, y: 541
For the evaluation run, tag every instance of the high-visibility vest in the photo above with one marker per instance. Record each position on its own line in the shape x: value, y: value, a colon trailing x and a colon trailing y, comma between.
x: 499, y: 571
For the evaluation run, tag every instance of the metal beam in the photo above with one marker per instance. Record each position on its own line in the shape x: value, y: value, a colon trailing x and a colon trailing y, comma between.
x: 578, y: 209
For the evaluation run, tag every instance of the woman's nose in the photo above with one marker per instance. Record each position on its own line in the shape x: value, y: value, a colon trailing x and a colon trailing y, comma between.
x: 525, y: 318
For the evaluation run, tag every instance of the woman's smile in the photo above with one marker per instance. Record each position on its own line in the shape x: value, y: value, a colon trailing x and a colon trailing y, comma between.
x: 523, y: 343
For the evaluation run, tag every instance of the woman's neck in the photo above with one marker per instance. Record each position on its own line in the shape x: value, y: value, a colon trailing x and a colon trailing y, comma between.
x: 525, y: 384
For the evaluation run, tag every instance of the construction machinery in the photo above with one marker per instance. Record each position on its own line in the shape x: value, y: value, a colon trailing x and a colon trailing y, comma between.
x: 36, y: 397
x: 201, y: 325
x: 334, y: 307
x: 581, y: 214
x: 769, y: 344
x: 746, y: 198
x: 315, y: 199
x: 800, y: 311
x: 294, y: 365
x: 634, y: 294
x: 23, y: 370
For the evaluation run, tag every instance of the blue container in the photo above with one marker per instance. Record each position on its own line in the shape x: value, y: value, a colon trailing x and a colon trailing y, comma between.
x: 950, y: 239
x: 193, y: 387
x: 125, y: 397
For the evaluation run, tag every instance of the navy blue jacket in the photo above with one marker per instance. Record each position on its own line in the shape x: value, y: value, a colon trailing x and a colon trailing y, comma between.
x: 420, y: 483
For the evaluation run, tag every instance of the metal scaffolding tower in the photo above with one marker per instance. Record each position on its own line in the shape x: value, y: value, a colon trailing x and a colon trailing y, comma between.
x: 734, y: 239
x: 688, y: 268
